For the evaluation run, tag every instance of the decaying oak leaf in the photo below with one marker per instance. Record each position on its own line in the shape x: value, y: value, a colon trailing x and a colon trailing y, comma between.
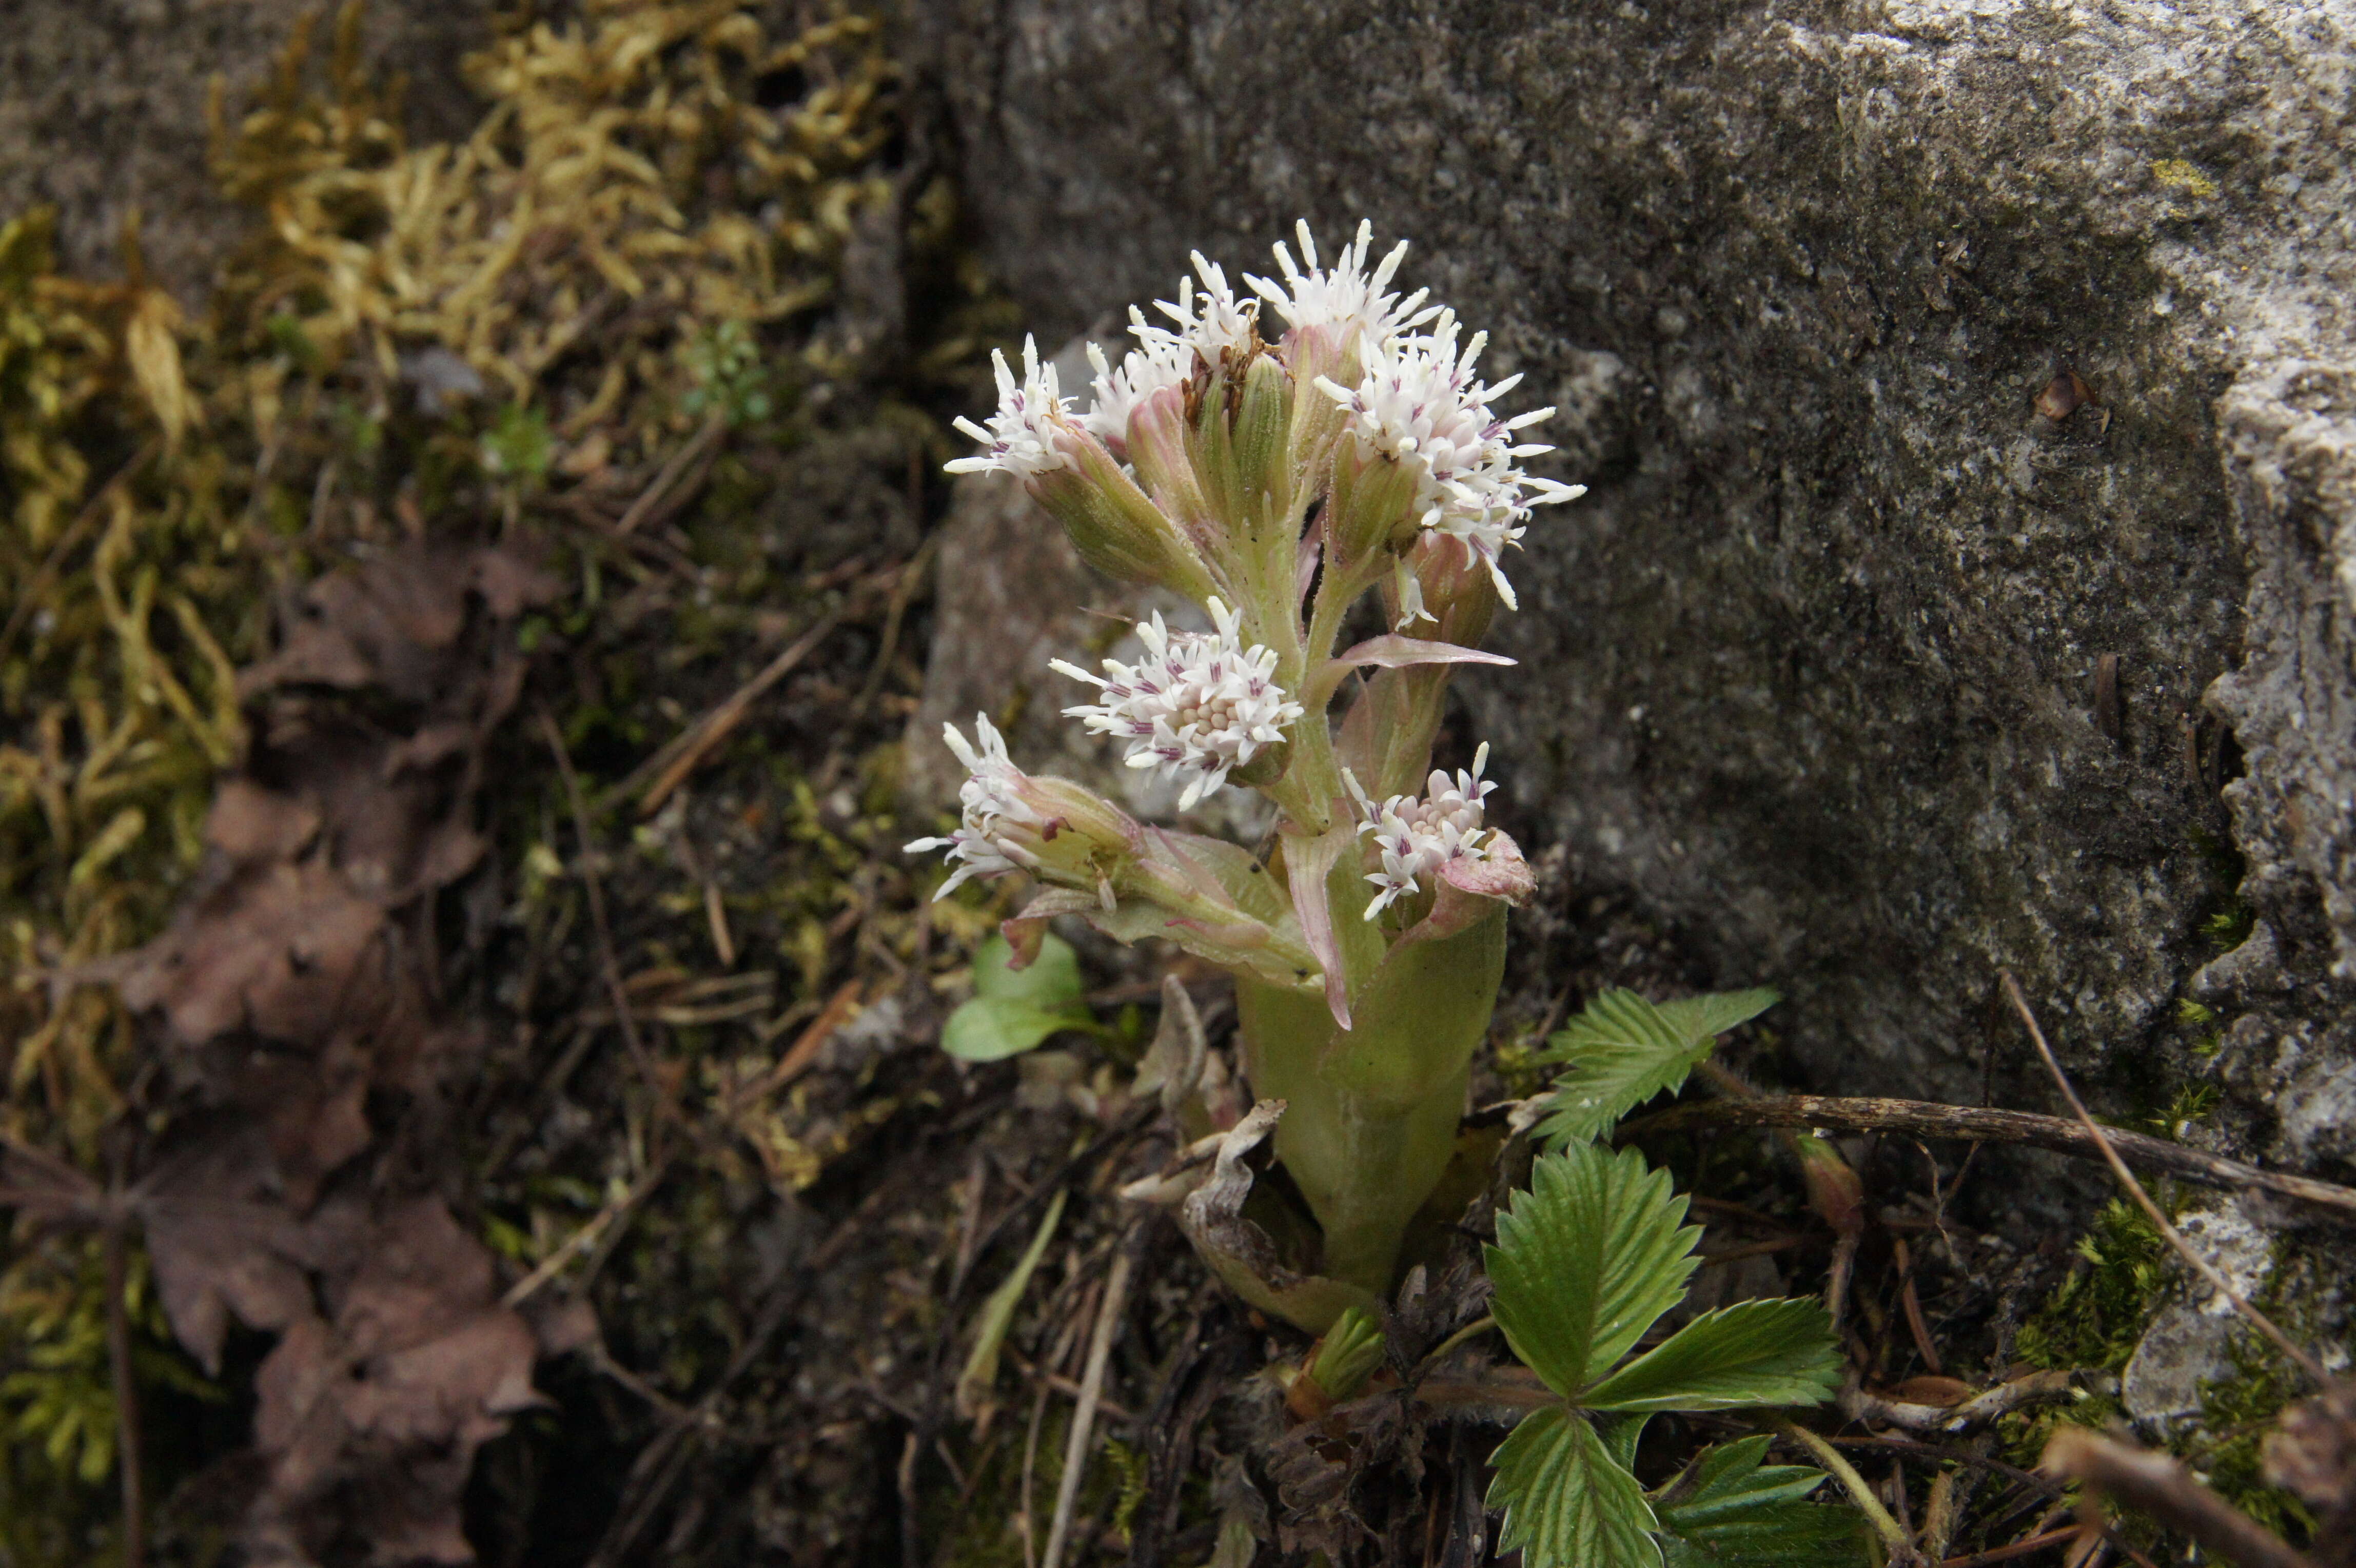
x: 289, y: 988
x: 369, y: 1422
x: 274, y: 952
x: 221, y: 1243
x: 397, y: 623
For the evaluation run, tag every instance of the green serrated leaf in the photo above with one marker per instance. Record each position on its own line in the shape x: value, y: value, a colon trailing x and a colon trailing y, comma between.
x: 1567, y: 1504
x: 1623, y: 1051
x: 1588, y: 1260
x: 1704, y: 1018
x: 1621, y: 1434
x: 1730, y: 1511
x: 1050, y: 983
x: 1754, y: 1352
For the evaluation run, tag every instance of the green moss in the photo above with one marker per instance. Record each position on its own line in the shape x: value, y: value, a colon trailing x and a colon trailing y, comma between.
x: 2126, y: 1272
x: 2236, y: 1413
x: 984, y: 1528
x: 2113, y: 1290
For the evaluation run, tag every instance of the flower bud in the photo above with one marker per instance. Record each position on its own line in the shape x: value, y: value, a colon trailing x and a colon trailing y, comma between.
x: 1059, y: 831
x: 1115, y: 525
x: 1372, y: 497
x: 1445, y: 584
x: 1263, y: 428
x: 1834, y: 1190
x: 1078, y: 829
x: 1211, y: 447
x: 1156, y: 445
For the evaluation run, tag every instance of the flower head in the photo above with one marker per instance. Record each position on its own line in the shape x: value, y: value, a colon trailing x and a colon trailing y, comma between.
x: 1214, y: 320
x: 1198, y: 704
x: 1024, y: 435
x: 1143, y: 371
x: 1347, y: 297
x: 1417, y: 837
x: 982, y: 844
x: 1418, y: 406
x: 1054, y: 829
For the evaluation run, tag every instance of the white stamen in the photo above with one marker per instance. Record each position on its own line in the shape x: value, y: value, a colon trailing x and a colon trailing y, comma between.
x: 1022, y: 435
x: 1417, y: 837
x: 1198, y: 704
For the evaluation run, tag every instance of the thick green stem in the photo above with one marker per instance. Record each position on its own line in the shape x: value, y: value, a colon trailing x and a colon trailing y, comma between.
x: 1372, y: 1113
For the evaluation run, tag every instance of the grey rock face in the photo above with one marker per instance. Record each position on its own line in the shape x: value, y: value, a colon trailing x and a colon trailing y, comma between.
x: 1822, y: 668
x: 2186, y: 1348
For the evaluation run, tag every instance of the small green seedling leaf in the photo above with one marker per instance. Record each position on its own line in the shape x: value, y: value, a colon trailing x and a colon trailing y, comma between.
x: 1348, y: 1355
x: 1754, y: 1352
x: 1013, y: 1009
x: 992, y: 1028
x: 1728, y: 1510
x: 1588, y: 1260
x: 1567, y: 1503
x: 1050, y: 982
x: 998, y: 1313
x: 1623, y: 1051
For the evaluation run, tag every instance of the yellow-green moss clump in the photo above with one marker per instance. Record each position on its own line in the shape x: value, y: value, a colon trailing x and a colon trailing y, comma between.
x: 634, y: 258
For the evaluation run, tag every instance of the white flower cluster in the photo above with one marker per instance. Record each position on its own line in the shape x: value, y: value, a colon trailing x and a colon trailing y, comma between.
x: 1417, y: 837
x: 1346, y: 297
x: 1217, y: 319
x: 1198, y: 704
x: 1142, y: 372
x: 1022, y: 435
x: 1418, y: 405
x: 980, y: 846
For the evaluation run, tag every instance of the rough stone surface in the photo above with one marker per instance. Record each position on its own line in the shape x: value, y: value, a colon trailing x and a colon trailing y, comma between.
x: 2187, y: 1346
x: 1813, y: 669
x: 102, y: 111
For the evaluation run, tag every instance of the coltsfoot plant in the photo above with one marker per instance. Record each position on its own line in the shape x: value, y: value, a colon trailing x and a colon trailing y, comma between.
x: 1276, y: 485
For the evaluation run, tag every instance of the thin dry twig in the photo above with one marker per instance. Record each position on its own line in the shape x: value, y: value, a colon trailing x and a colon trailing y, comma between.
x: 617, y: 1210
x: 595, y: 892
x: 126, y: 1398
x: 2058, y: 1134
x: 1951, y: 1454
x: 803, y: 1051
x: 2134, y: 1189
x: 2016, y: 1548
x: 1084, y: 1417
x: 671, y: 766
x: 1844, y: 1247
x: 1912, y: 1302
x: 649, y: 499
x: 2158, y: 1485
x: 1030, y: 1474
x: 2038, y: 1387
x: 895, y: 612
